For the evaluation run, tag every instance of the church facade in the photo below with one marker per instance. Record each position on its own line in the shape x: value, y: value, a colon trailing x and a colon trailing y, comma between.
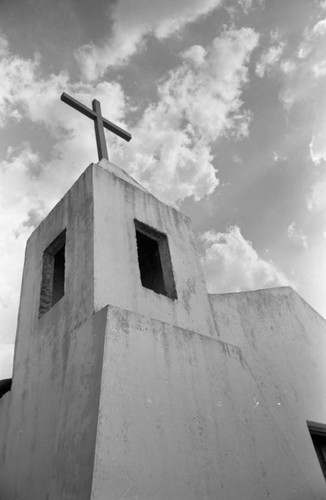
x: 131, y: 382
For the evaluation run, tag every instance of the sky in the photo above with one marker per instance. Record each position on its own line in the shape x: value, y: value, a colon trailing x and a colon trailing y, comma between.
x: 226, y: 103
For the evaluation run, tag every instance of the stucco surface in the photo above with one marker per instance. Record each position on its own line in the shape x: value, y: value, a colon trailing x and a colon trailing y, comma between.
x: 28, y: 431
x: 122, y: 393
x: 284, y: 342
x: 50, y: 439
x: 75, y: 214
x: 179, y: 419
x: 116, y: 275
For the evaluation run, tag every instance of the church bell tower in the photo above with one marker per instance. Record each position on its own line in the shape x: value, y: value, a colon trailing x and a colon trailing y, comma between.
x: 104, y: 271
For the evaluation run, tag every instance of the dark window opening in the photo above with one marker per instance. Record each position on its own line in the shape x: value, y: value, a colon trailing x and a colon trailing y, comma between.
x: 150, y: 264
x: 53, y: 274
x: 5, y: 386
x: 58, y: 289
x: 318, y: 436
x: 154, y: 260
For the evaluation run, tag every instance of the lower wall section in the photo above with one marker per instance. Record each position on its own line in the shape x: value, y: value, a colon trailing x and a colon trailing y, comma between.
x: 49, y: 421
x: 182, y: 418
x: 142, y: 410
x: 73, y: 454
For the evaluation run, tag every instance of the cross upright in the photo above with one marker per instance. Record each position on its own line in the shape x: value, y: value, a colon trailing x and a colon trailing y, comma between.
x: 99, y: 122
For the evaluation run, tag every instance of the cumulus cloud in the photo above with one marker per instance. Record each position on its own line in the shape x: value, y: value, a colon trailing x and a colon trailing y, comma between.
x: 278, y: 157
x: 317, y: 145
x: 231, y: 264
x: 232, y: 7
x: 198, y: 102
x: 3, y: 45
x: 132, y: 22
x: 269, y: 59
x: 297, y: 237
x: 17, y: 199
x: 6, y: 360
x: 305, y: 80
x: 245, y: 4
x: 316, y: 200
x: 25, y: 93
x: 170, y: 153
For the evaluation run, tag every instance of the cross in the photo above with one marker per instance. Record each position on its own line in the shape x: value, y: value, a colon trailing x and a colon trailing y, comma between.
x: 99, y: 122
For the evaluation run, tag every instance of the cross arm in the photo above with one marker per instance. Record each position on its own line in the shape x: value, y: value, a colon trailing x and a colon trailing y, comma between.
x: 94, y: 116
x: 77, y: 105
x: 116, y: 130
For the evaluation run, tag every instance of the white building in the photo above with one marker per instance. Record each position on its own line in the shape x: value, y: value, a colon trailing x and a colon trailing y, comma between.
x: 131, y: 382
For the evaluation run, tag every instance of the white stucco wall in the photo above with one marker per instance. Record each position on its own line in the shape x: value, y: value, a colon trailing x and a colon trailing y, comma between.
x: 117, y: 202
x: 28, y: 430
x: 202, y: 397
x: 284, y: 343
x: 179, y: 419
x: 101, y: 266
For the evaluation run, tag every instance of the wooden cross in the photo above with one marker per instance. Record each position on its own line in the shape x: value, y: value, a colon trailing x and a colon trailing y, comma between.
x: 99, y: 122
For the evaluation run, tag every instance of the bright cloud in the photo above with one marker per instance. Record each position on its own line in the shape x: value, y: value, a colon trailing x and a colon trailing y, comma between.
x: 297, y: 236
x: 305, y: 80
x: 17, y: 200
x: 233, y: 7
x: 277, y: 157
x: 23, y: 81
x: 132, y: 22
x: 3, y: 45
x: 269, y: 59
x: 316, y: 201
x: 232, y: 264
x: 198, y: 102
x: 6, y: 360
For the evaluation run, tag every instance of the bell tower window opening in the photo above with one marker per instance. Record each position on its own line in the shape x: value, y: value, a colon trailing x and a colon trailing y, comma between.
x: 53, y: 274
x: 154, y: 260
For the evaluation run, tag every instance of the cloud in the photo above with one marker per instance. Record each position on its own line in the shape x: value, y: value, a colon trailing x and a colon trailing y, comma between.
x: 232, y: 264
x: 317, y: 146
x: 17, y: 199
x: 305, y: 81
x: 298, y: 238
x: 246, y: 5
x: 322, y: 4
x: 278, y: 157
x: 25, y: 93
x: 198, y: 102
x: 170, y: 152
x: 232, y: 7
x: 132, y: 22
x: 316, y: 200
x: 16, y: 74
x: 269, y: 59
x: 6, y: 360
x: 3, y: 45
